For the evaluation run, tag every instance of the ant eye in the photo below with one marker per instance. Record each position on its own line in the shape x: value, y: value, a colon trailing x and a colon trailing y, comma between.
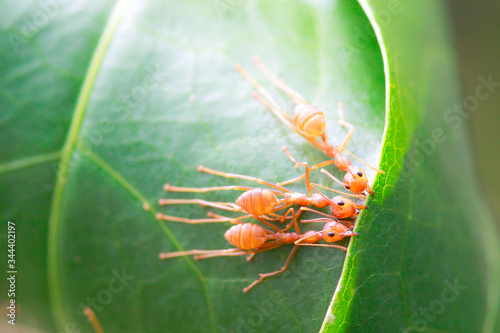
x: 359, y: 173
x: 340, y: 203
x: 347, y: 187
x: 331, y: 234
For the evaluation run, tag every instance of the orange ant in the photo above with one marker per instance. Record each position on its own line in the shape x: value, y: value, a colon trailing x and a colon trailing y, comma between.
x: 250, y: 239
x: 309, y: 122
x: 260, y: 202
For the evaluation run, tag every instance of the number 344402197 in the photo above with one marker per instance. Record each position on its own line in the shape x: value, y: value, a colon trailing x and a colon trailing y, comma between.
x: 11, y: 240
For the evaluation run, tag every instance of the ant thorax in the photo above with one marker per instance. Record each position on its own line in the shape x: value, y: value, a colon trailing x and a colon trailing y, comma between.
x: 298, y: 198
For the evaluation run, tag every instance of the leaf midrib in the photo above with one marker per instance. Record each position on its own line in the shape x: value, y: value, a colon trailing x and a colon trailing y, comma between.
x: 140, y: 197
x: 67, y: 151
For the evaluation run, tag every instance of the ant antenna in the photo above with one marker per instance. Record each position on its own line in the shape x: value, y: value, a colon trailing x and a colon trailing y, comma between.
x: 332, y: 177
x: 328, y: 218
x: 347, y: 233
x: 368, y: 165
x: 331, y: 189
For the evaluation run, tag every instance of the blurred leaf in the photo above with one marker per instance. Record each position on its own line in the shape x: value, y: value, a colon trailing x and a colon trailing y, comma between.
x: 40, y: 77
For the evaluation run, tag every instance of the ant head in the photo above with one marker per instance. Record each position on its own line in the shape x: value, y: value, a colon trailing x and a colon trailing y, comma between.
x: 335, y: 231
x: 356, y: 180
x: 342, y: 207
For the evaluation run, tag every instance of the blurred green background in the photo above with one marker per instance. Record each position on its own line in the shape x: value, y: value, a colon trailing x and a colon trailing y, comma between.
x: 476, y: 29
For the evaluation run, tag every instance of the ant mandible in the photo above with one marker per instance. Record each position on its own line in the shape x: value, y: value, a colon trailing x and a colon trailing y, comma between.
x: 309, y: 122
x: 260, y: 202
x: 250, y: 239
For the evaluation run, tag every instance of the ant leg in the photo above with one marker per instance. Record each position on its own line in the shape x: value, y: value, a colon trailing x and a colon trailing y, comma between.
x: 213, y: 218
x: 164, y: 217
x: 221, y: 205
x: 342, y: 122
x: 170, y: 188
x: 289, y: 155
x: 265, y: 247
x: 275, y: 218
x: 261, y: 220
x: 90, y: 314
x: 328, y: 218
x: 273, y: 105
x: 212, y: 255
x: 323, y: 245
x: 317, y: 220
x: 201, y: 168
x: 295, y: 96
x: 236, y: 220
x: 297, y: 164
x: 362, y: 196
x: 293, y: 180
x: 201, y: 254
x: 258, y: 218
x: 322, y: 164
x: 266, y: 275
x: 294, y: 220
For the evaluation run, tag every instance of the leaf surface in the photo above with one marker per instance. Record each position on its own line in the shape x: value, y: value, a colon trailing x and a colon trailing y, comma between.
x: 163, y: 102
x: 148, y: 93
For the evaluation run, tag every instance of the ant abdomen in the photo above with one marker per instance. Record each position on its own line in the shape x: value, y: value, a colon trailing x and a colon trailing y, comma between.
x: 257, y: 201
x: 310, y: 120
x: 246, y: 236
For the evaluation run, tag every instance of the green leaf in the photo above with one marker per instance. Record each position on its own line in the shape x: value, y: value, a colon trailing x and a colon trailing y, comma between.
x: 127, y: 98
x: 427, y: 258
x: 40, y: 78
x: 160, y: 97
